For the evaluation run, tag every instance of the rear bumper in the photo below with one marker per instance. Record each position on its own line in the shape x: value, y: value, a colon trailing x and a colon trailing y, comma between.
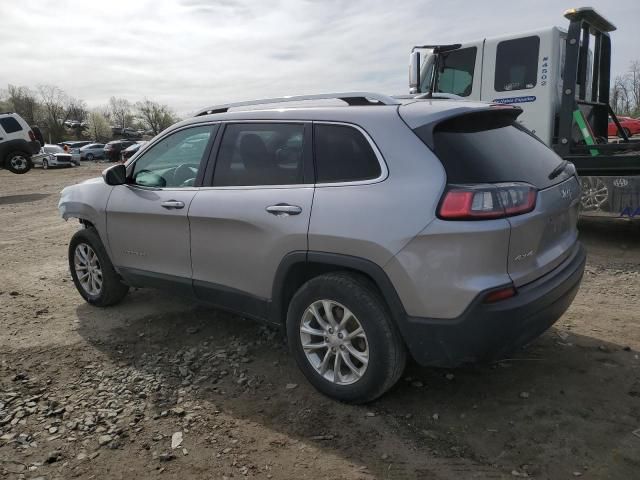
x: 490, y: 331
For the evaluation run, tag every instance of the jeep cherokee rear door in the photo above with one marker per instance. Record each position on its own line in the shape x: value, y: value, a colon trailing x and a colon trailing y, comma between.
x: 254, y: 211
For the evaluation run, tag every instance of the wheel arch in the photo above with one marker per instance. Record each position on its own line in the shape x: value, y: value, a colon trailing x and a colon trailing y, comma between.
x: 296, y: 268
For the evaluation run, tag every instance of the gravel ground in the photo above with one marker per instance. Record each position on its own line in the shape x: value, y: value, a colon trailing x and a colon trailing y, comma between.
x: 159, y: 386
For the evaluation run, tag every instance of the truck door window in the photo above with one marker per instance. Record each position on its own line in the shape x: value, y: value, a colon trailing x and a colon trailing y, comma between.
x: 455, y: 71
x: 517, y: 64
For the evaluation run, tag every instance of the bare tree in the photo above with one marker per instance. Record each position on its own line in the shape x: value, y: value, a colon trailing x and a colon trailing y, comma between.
x: 77, y: 109
x: 155, y: 116
x: 24, y: 102
x: 98, y: 126
x: 633, y: 82
x: 55, y: 108
x: 120, y: 111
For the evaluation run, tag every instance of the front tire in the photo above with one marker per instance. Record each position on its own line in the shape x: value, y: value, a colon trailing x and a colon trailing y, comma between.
x: 92, y: 271
x: 45, y: 164
x: 343, y: 338
x: 89, y: 156
x: 18, y: 162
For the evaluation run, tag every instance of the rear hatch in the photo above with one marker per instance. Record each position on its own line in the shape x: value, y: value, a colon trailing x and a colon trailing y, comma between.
x: 490, y: 151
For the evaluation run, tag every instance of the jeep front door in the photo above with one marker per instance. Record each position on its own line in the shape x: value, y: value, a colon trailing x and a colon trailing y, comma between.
x: 147, y: 224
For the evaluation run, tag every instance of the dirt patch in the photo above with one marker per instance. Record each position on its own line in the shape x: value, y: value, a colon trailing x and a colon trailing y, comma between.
x: 32, y: 197
x: 91, y: 393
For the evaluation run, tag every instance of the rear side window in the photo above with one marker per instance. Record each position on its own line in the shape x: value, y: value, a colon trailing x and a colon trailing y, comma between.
x: 455, y: 71
x: 10, y: 124
x: 343, y: 154
x: 253, y: 154
x: 491, y: 147
x: 517, y: 64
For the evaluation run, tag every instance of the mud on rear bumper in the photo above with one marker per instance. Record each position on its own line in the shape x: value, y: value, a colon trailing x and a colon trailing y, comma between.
x: 487, y: 332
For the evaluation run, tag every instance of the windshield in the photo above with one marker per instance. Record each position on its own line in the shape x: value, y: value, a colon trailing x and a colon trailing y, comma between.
x: 455, y: 69
x: 53, y: 149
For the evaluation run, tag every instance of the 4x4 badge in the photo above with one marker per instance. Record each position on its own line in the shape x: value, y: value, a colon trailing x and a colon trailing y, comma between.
x: 566, y: 193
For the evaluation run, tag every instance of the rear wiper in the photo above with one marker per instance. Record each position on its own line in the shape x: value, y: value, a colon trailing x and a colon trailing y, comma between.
x: 559, y: 169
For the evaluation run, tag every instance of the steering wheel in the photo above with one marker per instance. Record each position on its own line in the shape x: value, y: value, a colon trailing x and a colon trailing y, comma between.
x: 183, y: 174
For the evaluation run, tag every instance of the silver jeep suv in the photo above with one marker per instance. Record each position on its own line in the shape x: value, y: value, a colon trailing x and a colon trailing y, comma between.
x: 370, y: 228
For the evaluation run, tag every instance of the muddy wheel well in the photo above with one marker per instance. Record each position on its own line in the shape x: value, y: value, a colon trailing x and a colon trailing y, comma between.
x: 300, y: 273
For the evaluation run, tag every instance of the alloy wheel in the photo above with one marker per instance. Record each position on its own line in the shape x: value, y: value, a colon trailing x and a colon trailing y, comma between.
x: 88, y: 269
x: 334, y: 342
x: 594, y: 193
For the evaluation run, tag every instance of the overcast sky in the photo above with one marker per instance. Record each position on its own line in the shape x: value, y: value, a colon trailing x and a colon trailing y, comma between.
x: 194, y: 53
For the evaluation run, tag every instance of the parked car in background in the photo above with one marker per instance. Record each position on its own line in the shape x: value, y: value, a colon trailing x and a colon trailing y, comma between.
x: 53, y: 156
x: 93, y: 151
x: 75, y: 143
x: 128, y: 152
x: 631, y: 126
x: 17, y: 143
x: 112, y: 149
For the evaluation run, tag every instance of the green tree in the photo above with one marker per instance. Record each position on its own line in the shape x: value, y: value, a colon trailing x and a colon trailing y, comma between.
x: 98, y: 127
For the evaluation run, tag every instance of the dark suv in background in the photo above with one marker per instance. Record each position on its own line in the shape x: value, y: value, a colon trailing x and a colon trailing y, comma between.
x: 112, y: 149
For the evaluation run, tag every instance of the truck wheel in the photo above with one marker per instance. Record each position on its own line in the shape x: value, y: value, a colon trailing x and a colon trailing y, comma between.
x: 18, y: 162
x: 343, y: 338
x: 627, y: 131
x: 595, y: 194
x: 92, y: 271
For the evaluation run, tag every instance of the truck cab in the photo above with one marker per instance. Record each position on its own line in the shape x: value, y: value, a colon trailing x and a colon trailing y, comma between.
x: 523, y: 69
x: 560, y: 79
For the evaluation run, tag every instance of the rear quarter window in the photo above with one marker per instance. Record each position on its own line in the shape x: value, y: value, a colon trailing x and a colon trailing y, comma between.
x: 343, y: 154
x: 10, y: 125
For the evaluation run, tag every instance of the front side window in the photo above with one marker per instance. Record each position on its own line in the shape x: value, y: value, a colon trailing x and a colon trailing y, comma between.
x: 253, y: 154
x: 175, y: 161
x: 455, y: 71
x: 517, y: 64
x: 342, y: 154
x: 10, y: 125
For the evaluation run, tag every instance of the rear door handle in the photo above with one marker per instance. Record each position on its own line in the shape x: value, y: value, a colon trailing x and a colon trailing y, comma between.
x: 283, y: 209
x: 172, y: 204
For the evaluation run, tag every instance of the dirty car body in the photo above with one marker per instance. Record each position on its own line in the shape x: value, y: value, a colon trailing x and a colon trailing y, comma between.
x: 458, y: 223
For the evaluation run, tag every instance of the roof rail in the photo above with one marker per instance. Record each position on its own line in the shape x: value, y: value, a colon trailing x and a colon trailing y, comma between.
x: 351, y: 98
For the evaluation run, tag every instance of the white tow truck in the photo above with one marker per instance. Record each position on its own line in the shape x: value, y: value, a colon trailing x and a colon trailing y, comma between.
x: 561, y: 81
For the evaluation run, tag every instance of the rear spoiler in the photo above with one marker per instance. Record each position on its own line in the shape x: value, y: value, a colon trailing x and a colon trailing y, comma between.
x: 436, y: 119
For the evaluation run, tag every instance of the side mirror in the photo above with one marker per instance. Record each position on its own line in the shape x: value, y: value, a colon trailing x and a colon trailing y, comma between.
x: 115, y: 175
x: 414, y: 72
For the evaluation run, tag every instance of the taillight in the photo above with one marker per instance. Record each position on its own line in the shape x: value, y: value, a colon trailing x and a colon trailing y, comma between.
x: 32, y: 137
x: 487, y: 201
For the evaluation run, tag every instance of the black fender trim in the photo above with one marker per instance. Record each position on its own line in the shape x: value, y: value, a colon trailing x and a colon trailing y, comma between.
x: 367, y: 267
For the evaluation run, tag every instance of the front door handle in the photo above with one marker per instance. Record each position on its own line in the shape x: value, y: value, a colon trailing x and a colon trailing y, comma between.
x: 172, y: 204
x: 283, y: 209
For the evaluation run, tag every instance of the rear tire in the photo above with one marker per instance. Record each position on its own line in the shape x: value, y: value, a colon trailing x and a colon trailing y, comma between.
x: 89, y: 156
x: 18, y: 162
x: 92, y: 271
x: 370, y: 362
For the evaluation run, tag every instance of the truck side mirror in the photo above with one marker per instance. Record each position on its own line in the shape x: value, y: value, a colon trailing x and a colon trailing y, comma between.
x: 414, y: 72
x: 115, y: 175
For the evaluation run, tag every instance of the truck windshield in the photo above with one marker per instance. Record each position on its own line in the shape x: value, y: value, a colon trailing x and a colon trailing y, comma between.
x: 455, y: 71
